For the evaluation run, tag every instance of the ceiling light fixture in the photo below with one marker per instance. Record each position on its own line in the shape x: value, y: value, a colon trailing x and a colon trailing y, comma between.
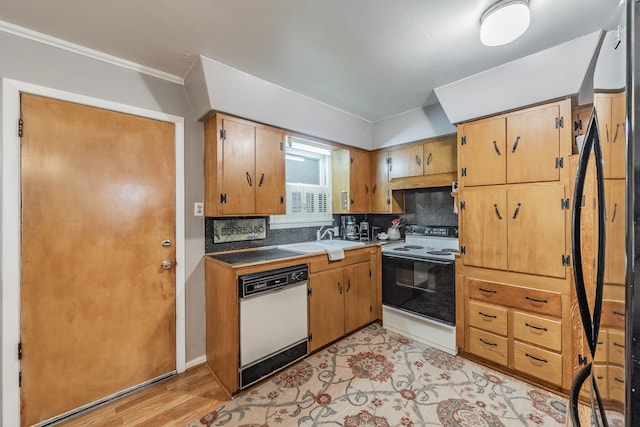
x: 504, y: 21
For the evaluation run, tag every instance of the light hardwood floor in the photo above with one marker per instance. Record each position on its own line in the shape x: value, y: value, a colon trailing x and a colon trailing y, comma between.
x: 172, y: 402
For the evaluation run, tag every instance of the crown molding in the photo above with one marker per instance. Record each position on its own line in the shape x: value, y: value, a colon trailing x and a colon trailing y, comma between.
x: 85, y: 51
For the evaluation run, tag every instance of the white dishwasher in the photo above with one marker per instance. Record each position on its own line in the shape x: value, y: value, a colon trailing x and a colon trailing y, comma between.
x: 273, y: 321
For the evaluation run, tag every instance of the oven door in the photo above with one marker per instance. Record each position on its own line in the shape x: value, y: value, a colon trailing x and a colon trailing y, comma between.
x: 425, y: 287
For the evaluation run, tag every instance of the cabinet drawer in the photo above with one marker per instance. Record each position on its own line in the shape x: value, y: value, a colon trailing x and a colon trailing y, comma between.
x: 544, y: 302
x: 616, y: 383
x: 489, y: 346
x: 488, y: 317
x: 612, y: 314
x: 353, y: 256
x: 537, y: 362
x: 537, y: 330
x: 616, y: 346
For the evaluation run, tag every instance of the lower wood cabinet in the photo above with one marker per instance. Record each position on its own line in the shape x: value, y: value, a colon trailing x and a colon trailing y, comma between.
x: 519, y: 328
x: 342, y: 296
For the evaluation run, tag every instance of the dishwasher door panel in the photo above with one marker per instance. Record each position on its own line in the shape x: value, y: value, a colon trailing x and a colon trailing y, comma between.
x: 272, y: 321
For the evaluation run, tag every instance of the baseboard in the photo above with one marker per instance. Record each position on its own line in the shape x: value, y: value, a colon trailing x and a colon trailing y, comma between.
x: 195, y: 362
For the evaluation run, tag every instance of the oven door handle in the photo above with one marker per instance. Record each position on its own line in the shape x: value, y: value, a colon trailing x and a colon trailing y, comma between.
x: 431, y: 260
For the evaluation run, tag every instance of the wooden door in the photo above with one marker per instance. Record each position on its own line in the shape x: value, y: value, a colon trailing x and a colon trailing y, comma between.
x: 533, y: 145
x: 357, y: 302
x: 440, y: 156
x: 238, y: 171
x: 98, y: 199
x: 483, y: 155
x: 536, y: 229
x: 615, y: 253
x: 406, y: 161
x: 326, y: 307
x: 360, y: 178
x: 270, y: 170
x: 485, y: 227
x: 379, y: 182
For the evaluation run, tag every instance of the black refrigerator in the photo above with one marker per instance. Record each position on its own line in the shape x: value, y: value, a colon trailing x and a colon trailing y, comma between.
x: 605, y: 250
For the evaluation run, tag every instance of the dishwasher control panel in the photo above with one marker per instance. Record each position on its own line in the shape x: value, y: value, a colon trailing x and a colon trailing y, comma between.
x: 265, y: 281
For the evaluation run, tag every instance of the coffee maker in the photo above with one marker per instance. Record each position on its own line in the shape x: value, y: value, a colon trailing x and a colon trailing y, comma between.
x: 351, y: 229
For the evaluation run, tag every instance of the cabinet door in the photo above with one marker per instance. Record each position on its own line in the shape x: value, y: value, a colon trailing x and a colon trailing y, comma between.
x: 533, y: 145
x: 326, y: 307
x: 360, y: 178
x: 238, y: 176
x: 618, y: 149
x: 484, y: 226
x: 482, y: 156
x: 536, y: 230
x: 379, y: 182
x: 406, y: 161
x: 269, y: 179
x: 357, y: 303
x: 614, y: 267
x: 440, y: 156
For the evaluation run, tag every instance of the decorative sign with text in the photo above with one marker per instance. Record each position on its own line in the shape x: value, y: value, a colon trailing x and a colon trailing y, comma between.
x: 236, y: 230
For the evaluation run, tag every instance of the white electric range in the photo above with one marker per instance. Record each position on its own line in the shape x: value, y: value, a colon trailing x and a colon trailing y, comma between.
x: 418, y: 285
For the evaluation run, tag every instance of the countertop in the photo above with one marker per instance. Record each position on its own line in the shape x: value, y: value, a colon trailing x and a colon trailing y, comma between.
x: 272, y: 253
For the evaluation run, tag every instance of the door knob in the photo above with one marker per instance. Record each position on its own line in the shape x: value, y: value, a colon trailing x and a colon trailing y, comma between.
x: 166, y: 264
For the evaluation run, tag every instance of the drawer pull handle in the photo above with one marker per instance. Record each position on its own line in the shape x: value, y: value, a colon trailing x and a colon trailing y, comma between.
x: 488, y: 343
x: 418, y: 162
x: 535, y: 327
x: 600, y: 342
x: 542, y: 301
x: 536, y: 358
x: 489, y: 291
x: 618, y: 344
x: 600, y: 377
x: 429, y: 159
x: 619, y: 380
x: 340, y: 287
x: 487, y: 315
x: 617, y: 313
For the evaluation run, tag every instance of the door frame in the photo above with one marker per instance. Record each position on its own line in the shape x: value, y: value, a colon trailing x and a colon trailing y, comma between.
x: 10, y: 229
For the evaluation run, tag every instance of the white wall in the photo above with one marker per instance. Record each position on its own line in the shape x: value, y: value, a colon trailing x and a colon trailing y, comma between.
x: 413, y: 125
x: 213, y: 86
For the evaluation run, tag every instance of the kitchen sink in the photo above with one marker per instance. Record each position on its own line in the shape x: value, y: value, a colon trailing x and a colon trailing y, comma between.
x: 319, y: 246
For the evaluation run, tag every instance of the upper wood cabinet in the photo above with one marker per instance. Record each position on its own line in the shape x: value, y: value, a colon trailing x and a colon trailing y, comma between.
x: 406, y: 161
x: 351, y: 180
x: 524, y: 146
x: 519, y: 228
x: 244, y: 168
x: 427, y: 157
x: 383, y: 200
x: 611, y: 111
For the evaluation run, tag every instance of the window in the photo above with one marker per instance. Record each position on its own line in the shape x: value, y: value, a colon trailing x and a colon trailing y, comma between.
x: 308, y: 187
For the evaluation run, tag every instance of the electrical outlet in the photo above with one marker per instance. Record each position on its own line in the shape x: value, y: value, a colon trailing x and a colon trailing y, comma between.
x: 336, y: 231
x: 198, y: 209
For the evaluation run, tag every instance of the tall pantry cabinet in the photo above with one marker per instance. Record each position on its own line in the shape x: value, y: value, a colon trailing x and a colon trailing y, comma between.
x: 514, y: 209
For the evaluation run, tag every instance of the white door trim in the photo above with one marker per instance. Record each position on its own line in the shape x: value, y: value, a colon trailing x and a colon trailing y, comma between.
x: 10, y: 230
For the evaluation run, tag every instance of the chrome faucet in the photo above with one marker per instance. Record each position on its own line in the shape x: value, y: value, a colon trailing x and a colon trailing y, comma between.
x: 321, y: 234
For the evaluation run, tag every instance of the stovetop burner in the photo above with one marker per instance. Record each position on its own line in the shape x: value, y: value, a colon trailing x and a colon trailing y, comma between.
x: 450, y: 250
x: 438, y: 252
x: 413, y: 247
x: 402, y: 249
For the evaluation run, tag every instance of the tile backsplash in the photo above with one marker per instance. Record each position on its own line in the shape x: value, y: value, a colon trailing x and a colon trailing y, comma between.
x: 428, y: 206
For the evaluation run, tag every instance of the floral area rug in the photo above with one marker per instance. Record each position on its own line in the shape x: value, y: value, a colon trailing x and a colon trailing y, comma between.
x: 378, y: 378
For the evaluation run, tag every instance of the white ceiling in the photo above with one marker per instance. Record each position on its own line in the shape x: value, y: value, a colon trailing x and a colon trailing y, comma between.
x: 371, y: 58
